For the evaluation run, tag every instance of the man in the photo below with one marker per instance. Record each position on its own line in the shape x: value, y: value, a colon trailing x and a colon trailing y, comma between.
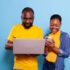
x: 25, y: 30
x: 57, y: 45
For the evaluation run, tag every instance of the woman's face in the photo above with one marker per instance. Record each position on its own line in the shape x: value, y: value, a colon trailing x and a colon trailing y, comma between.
x: 55, y: 25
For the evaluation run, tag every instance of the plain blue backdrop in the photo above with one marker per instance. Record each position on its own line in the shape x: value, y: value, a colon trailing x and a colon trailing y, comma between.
x: 10, y: 14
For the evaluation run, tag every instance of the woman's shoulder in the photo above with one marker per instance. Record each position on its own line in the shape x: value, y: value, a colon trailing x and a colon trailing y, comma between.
x: 64, y: 34
x: 47, y: 34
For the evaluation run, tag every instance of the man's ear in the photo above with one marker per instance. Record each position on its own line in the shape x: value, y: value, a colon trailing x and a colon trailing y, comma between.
x: 21, y: 16
x: 33, y: 18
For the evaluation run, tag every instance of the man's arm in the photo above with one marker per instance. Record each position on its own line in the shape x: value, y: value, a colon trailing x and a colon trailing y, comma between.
x: 9, y: 45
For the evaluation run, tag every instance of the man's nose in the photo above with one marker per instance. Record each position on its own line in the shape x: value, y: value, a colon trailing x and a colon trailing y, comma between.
x: 27, y: 21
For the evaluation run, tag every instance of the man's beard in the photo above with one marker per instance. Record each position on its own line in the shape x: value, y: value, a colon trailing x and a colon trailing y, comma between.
x: 27, y: 27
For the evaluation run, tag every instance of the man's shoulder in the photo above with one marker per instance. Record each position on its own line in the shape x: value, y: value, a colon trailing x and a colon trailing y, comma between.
x: 36, y: 27
x: 18, y: 25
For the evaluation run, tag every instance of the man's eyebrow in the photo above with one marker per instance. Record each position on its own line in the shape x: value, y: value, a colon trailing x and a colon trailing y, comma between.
x: 27, y: 18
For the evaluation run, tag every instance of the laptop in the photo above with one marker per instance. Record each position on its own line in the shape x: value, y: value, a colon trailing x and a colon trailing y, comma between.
x: 28, y: 46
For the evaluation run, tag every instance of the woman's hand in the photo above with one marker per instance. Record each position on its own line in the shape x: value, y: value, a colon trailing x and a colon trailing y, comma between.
x: 49, y: 44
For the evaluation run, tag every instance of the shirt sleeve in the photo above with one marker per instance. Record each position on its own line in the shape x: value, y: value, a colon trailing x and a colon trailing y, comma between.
x: 66, y: 44
x: 45, y: 54
x: 41, y: 34
x: 11, y: 35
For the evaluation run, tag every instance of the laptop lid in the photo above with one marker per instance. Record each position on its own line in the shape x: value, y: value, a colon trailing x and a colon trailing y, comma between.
x: 28, y: 46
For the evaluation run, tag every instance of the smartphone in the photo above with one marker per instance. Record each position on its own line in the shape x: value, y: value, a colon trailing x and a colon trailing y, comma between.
x: 48, y: 38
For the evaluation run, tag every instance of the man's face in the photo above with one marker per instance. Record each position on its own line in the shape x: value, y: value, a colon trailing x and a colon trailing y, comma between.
x: 27, y: 19
x: 55, y: 25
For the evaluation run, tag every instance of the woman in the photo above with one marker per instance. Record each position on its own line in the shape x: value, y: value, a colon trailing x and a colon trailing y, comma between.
x: 57, y: 47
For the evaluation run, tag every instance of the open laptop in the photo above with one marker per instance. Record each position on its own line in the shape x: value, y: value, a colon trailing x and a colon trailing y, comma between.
x: 28, y: 46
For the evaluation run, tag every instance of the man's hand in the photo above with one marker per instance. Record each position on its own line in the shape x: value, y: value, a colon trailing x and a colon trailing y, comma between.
x: 9, y: 45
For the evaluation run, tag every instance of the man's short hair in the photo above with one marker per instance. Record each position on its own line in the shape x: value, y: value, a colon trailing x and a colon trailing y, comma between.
x: 56, y: 16
x: 28, y: 9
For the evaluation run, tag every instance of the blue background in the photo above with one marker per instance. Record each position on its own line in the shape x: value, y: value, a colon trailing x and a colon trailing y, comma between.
x: 10, y: 14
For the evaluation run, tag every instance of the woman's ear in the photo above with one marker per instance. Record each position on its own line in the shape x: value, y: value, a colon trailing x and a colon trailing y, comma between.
x: 60, y: 25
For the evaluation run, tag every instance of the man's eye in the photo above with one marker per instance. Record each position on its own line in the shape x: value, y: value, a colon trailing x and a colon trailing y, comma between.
x: 24, y: 18
x: 30, y: 18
